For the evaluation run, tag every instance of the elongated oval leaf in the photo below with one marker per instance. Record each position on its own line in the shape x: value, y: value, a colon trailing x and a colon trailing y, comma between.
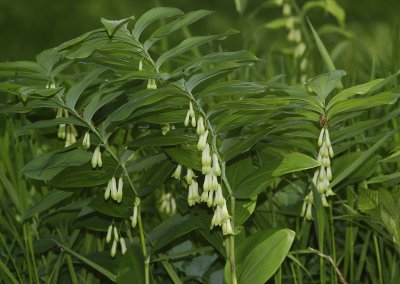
x: 260, y: 255
x: 295, y: 162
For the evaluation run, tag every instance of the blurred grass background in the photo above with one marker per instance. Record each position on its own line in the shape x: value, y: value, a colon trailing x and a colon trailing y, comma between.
x: 30, y: 26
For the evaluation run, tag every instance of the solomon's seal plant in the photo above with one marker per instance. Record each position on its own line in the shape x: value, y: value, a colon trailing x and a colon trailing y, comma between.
x: 162, y: 155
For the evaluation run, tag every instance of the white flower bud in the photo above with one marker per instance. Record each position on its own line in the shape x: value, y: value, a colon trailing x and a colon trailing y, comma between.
x: 303, y: 64
x: 297, y: 36
x: 207, y: 182
x: 189, y: 176
x: 321, y: 136
x: 123, y: 245
x: 227, y: 228
x: 216, y: 166
x: 205, y: 170
x: 134, y: 216
x: 321, y: 173
x: 173, y: 206
x: 286, y: 9
x: 200, y: 126
x: 329, y: 192
x: 59, y: 112
x: 109, y: 234
x: 204, y: 196
x: 214, y: 182
x: 191, y: 110
x: 151, y: 84
x: 114, y: 248
x: 177, y: 172
x: 309, y: 212
x: 290, y: 23
x: 324, y: 202
x: 195, y: 192
x: 116, y: 236
x: 202, y: 141
x: 86, y: 140
x: 331, y: 154
x: 193, y: 121
x: 140, y: 65
x: 300, y: 49
x: 327, y: 139
x: 219, y: 198
x: 326, y: 162
x: 186, y: 123
x: 329, y: 173
x: 206, y: 157
x: 224, y: 212
x: 61, y: 131
x: 114, y: 189
x: 95, y: 157
x: 107, y: 193
x: 216, y: 220
x: 303, y: 209
x: 119, y: 190
x: 210, y: 198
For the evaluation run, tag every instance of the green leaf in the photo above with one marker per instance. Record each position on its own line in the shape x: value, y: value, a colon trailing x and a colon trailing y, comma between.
x: 324, y: 84
x: 98, y: 100
x: 324, y: 53
x: 46, y: 166
x: 358, y: 162
x: 390, y: 179
x: 243, y: 210
x: 48, y: 58
x: 175, y: 227
x: 73, y: 94
x: 328, y: 5
x: 47, y: 123
x: 84, y: 175
x: 173, y: 26
x: 112, y: 26
x: 87, y: 48
x: 232, y: 88
x: 260, y: 255
x: 28, y: 92
x: 189, y: 44
x: 257, y: 181
x: 173, y: 137
x: 92, y: 264
x: 368, y: 200
x: 294, y: 162
x: 47, y: 201
x: 131, y: 267
x: 186, y: 156
x: 363, y: 103
x: 233, y: 147
x: 213, y: 75
x: 153, y: 15
x: 352, y: 91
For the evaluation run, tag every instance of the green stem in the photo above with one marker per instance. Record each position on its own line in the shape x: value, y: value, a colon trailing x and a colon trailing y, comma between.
x: 144, y: 250
x: 378, y: 258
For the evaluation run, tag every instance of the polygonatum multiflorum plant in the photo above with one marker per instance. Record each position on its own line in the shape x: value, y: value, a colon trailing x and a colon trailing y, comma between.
x: 153, y: 159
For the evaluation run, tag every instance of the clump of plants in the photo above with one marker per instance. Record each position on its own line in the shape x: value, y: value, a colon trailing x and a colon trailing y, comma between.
x: 138, y: 151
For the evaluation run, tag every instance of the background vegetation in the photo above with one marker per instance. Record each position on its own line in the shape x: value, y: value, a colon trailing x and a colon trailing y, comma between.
x: 301, y: 104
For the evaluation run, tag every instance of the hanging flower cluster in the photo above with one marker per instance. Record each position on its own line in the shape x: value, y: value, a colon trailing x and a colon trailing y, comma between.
x: 167, y: 204
x: 210, y: 167
x: 113, y: 232
x: 134, y: 217
x: 66, y: 131
x: 96, y: 158
x: 295, y: 36
x: 322, y: 176
x: 113, y: 190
